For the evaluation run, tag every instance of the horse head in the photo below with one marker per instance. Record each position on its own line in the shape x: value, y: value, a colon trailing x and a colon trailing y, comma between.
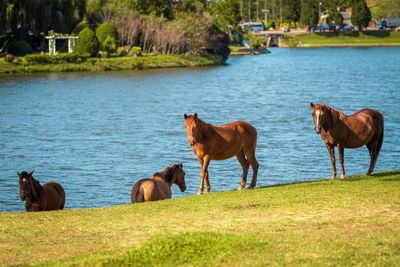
x: 192, y: 125
x: 179, y: 177
x: 25, y: 183
x: 320, y: 116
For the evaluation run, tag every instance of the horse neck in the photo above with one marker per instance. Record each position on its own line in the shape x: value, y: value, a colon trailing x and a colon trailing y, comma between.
x: 162, y: 176
x: 36, y: 190
x: 204, y: 129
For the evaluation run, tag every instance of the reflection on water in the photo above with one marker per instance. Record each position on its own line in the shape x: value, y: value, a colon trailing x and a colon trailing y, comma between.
x: 98, y: 133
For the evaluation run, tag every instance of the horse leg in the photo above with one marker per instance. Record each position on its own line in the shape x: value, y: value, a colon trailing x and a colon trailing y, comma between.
x: 341, y: 159
x: 372, y: 148
x: 245, y: 166
x: 204, y: 172
x: 254, y: 165
x: 331, y: 150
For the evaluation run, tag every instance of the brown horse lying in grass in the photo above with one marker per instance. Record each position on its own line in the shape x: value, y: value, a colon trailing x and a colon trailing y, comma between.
x: 50, y: 196
x: 222, y: 142
x: 365, y: 127
x: 159, y: 186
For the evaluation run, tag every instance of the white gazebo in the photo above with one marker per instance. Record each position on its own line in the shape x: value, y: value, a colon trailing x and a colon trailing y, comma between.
x: 52, y: 43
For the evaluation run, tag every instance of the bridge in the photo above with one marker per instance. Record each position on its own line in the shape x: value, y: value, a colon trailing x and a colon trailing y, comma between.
x: 276, y: 37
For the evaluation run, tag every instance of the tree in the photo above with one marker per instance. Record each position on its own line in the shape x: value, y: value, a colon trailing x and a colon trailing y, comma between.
x: 110, y: 45
x: 292, y: 11
x: 106, y: 30
x: 87, y: 42
x: 309, y: 12
x: 360, y: 16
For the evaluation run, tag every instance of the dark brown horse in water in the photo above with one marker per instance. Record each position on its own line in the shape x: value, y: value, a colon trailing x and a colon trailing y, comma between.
x: 50, y: 196
x: 365, y: 127
x: 159, y: 186
x: 222, y: 142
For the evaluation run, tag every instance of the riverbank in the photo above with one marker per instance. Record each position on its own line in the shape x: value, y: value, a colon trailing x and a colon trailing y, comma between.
x: 112, y: 63
x: 241, y: 50
x: 343, y: 39
x: 354, y: 221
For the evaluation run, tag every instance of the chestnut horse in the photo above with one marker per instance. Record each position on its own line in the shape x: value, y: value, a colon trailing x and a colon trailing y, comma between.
x: 222, y: 142
x: 159, y: 186
x: 365, y: 127
x: 50, y: 196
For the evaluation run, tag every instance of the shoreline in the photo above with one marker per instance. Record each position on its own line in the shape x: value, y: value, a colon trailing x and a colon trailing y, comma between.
x: 113, y: 64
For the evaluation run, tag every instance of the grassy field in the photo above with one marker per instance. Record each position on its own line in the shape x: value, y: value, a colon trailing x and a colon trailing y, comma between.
x: 355, y: 221
x: 113, y: 63
x: 371, y: 38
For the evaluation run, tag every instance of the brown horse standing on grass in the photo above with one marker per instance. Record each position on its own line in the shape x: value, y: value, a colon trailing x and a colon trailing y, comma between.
x: 365, y: 127
x: 159, y: 187
x: 50, y: 196
x: 222, y: 142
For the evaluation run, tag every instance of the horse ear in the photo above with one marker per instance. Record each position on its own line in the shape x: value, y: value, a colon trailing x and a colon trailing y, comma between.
x: 30, y: 174
x: 312, y: 105
x: 195, y: 116
x: 180, y: 165
x: 19, y: 175
x: 324, y: 104
x: 185, y: 116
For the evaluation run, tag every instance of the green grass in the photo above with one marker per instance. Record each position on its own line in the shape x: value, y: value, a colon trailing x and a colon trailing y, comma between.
x: 371, y: 38
x: 114, y: 63
x: 355, y: 221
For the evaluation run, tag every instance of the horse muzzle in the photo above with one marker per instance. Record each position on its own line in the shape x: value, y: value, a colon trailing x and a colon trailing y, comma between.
x: 23, y: 198
x: 191, y: 141
x: 318, y: 130
x: 183, y: 188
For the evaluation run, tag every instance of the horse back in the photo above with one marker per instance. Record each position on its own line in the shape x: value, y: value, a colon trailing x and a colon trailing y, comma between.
x: 144, y: 190
x: 55, y: 195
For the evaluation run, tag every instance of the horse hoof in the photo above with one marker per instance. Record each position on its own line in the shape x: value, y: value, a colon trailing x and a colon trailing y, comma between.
x: 199, y: 193
x: 342, y: 176
x: 368, y: 174
x: 250, y: 187
x: 333, y: 177
x: 240, y: 187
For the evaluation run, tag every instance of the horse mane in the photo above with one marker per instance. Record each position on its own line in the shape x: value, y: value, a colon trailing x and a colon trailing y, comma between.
x: 204, y: 126
x: 169, y: 174
x: 337, y: 113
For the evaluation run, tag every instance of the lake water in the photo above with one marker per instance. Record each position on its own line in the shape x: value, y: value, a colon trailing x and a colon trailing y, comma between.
x: 98, y: 133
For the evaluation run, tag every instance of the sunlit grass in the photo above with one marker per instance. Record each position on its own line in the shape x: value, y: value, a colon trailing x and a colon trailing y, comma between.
x: 367, y: 38
x: 355, y: 221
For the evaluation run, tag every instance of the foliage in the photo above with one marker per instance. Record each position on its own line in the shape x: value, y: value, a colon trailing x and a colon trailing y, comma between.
x: 55, y: 59
x: 385, y: 9
x: 106, y: 30
x: 87, y: 43
x: 110, y: 45
x: 19, y: 48
x: 227, y: 14
x: 22, y: 17
x: 360, y: 16
x: 82, y: 25
x: 292, y: 11
x: 136, y: 50
x: 309, y: 13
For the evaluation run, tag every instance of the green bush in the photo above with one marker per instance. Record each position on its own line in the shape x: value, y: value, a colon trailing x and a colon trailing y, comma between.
x: 110, y: 45
x: 87, y: 43
x: 106, y: 30
x: 81, y: 26
x: 136, y: 50
x: 19, y: 48
x: 54, y: 59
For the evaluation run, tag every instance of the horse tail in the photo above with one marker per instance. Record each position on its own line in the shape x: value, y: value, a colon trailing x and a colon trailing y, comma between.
x: 380, y: 141
x: 137, y: 195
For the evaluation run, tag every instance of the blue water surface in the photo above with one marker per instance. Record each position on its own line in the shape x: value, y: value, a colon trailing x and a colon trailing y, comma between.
x: 98, y: 133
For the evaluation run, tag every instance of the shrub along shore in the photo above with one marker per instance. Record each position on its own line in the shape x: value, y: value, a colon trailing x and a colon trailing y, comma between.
x: 74, y: 62
x: 354, y: 221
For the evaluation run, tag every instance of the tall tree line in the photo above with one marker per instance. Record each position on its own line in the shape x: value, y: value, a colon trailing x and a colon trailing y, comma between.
x: 20, y: 17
